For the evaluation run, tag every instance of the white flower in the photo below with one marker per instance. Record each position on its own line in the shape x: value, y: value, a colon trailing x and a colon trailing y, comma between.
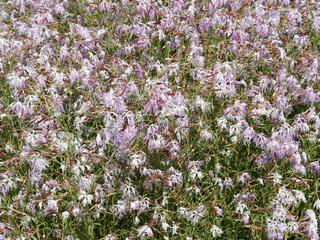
x: 206, y: 135
x: 241, y: 206
x: 63, y: 167
x: 216, y: 231
x: 310, y: 214
x: 286, y: 197
x: 222, y: 122
x: 276, y: 178
x: 317, y: 204
x: 145, y: 230
x: 300, y: 169
x: 137, y: 160
x: 205, y: 106
x: 136, y: 220
x: 218, y: 167
x: 76, y: 211
x: 165, y: 226
x: 195, y: 174
x: 293, y: 227
x: 9, y: 148
x: 86, y: 198
x: 65, y: 215
x: 110, y: 237
x: 300, y: 196
x: 164, y: 201
x: 120, y: 208
x: 234, y: 139
x: 280, y: 213
x: 51, y: 207
x: 192, y: 10
x: 174, y: 229
x: 182, y: 212
x: 128, y: 189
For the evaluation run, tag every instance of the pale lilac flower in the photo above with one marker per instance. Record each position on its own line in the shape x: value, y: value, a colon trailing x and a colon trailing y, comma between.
x: 20, y: 109
x: 156, y: 143
x: 248, y: 135
x: 138, y: 160
x: 74, y: 76
x: 315, y: 167
x: 312, y: 227
x: 110, y: 237
x: 300, y: 169
x: 245, y: 217
x: 304, y: 156
x: 311, y: 215
x: 219, y: 211
x: 244, y: 177
x: 280, y: 213
x: 272, y: 229
x: 76, y: 211
x: 285, y: 197
x: 316, y: 24
x: 15, y: 80
x: 39, y: 164
x: 128, y: 189
x: 228, y: 182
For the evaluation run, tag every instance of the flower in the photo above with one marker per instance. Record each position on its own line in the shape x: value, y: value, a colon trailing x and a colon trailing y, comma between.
x: 65, y: 215
x: 244, y: 177
x: 86, y: 198
x: 316, y: 24
x: 241, y: 206
x: 293, y: 227
x: 222, y: 122
x: 219, y: 211
x: 196, y: 174
x: 52, y: 207
x: 206, y: 135
x: 174, y: 229
x: 317, y: 204
x: 205, y: 106
x: 215, y: 231
x: 228, y: 182
x: 276, y: 178
x: 145, y: 230
x: 245, y: 217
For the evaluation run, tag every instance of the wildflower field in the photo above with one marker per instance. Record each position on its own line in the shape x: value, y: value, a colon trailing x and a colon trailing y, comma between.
x: 159, y: 119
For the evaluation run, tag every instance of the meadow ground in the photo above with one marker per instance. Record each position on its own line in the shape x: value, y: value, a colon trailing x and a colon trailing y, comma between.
x: 159, y: 119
